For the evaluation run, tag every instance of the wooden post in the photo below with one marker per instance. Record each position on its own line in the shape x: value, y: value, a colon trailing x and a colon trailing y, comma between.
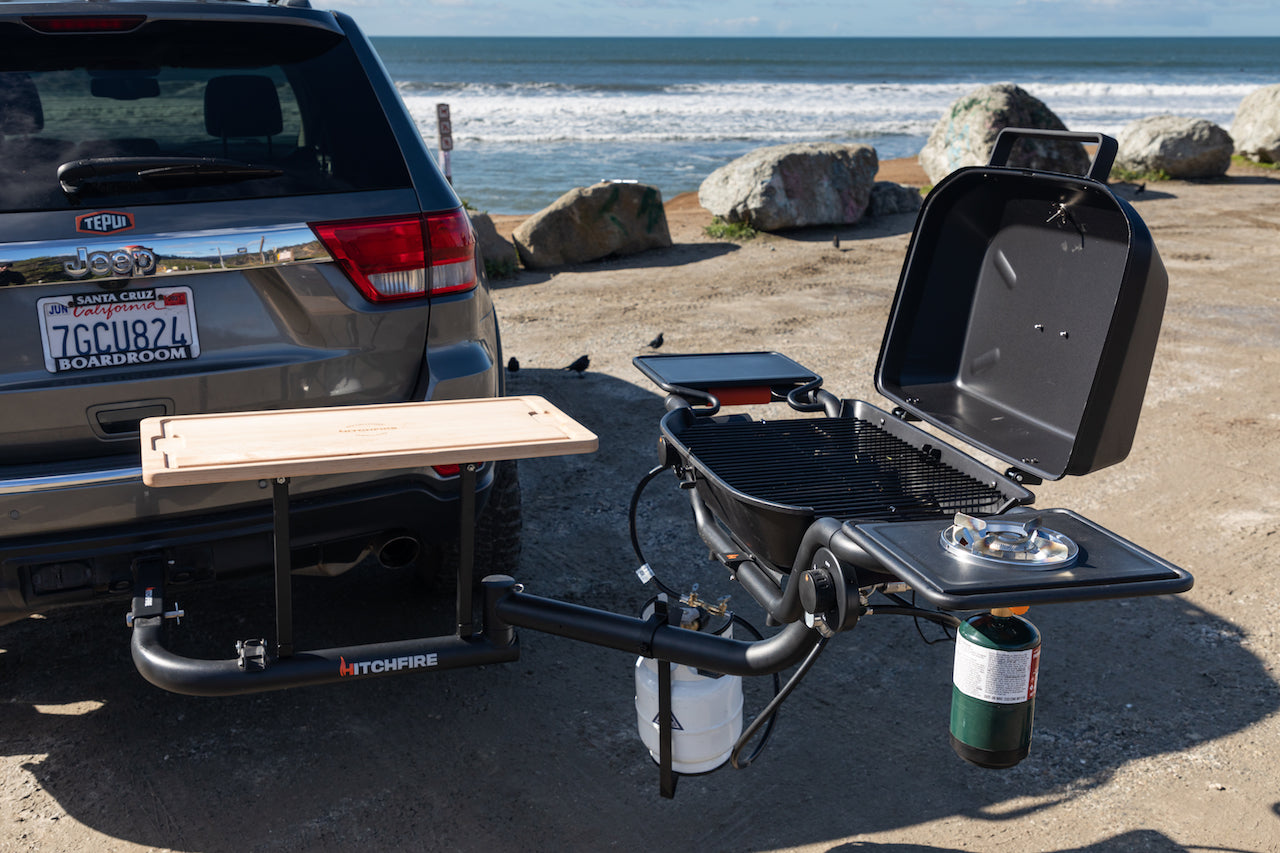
x: 444, y: 126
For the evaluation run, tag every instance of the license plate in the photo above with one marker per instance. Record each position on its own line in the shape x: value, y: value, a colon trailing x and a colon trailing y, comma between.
x: 151, y: 325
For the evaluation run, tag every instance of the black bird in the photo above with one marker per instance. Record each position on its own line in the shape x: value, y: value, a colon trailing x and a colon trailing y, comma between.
x: 580, y: 364
x: 512, y: 365
x: 1139, y: 189
x: 656, y: 342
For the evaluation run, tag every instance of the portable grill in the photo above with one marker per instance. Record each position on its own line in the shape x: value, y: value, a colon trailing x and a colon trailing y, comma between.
x: 1024, y: 324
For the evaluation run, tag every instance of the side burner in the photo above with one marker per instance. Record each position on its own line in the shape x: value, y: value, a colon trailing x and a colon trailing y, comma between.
x: 1004, y: 542
x: 1105, y: 565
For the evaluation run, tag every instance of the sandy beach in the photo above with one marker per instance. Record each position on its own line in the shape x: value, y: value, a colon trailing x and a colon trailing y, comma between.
x: 1158, y: 719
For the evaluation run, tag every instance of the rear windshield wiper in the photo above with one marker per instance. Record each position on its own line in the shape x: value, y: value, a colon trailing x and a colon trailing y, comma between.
x: 107, y: 173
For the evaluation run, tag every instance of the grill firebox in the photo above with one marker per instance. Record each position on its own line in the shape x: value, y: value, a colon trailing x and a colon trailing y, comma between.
x: 769, y: 480
x: 845, y: 468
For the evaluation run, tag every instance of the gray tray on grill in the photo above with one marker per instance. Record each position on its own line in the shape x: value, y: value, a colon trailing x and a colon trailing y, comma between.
x: 767, y: 481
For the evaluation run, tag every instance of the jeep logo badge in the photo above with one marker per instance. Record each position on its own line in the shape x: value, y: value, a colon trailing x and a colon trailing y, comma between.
x: 126, y: 262
x: 104, y: 222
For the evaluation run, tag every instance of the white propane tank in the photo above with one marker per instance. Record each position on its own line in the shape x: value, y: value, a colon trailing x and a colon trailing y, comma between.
x: 707, y: 710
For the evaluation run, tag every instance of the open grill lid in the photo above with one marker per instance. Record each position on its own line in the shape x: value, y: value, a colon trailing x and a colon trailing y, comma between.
x: 1027, y: 313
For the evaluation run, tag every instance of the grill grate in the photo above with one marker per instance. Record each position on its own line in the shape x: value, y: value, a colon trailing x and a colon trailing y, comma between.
x: 843, y: 468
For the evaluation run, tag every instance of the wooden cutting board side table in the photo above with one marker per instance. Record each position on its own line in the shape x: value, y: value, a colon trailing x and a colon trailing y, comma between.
x: 279, y: 445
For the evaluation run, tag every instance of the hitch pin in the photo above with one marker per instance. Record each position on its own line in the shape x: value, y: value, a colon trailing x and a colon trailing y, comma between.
x: 175, y: 614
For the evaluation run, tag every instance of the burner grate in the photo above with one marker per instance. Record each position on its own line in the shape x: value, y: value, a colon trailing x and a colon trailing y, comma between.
x: 843, y: 468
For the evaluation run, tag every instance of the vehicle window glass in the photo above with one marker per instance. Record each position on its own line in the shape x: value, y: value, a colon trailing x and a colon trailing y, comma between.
x: 303, y: 111
x: 173, y: 118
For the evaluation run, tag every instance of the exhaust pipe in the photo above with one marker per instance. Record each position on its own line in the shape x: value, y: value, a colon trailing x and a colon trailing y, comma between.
x: 397, y: 552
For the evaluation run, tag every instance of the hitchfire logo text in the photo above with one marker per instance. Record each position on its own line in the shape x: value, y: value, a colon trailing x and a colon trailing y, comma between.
x: 377, y: 667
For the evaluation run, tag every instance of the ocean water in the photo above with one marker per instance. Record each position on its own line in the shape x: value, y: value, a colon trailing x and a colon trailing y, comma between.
x: 535, y: 117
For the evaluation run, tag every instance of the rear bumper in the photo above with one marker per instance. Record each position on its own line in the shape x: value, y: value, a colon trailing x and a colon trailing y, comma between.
x: 334, y: 527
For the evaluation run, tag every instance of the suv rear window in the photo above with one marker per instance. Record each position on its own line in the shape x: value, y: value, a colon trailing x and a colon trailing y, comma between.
x: 293, y: 100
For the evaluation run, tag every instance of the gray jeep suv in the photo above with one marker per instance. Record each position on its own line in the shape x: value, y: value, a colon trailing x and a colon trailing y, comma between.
x: 213, y: 207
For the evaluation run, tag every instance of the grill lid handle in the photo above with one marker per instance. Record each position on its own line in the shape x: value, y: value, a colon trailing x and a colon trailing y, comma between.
x: 1099, y: 169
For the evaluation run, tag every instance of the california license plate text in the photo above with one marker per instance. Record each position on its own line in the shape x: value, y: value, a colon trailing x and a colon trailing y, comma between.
x: 117, y: 329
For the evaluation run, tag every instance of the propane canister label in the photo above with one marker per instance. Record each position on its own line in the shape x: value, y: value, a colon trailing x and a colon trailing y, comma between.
x: 992, y: 675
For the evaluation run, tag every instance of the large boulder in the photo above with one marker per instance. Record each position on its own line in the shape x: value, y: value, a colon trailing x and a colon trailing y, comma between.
x: 497, y: 253
x: 1256, y: 129
x: 590, y: 223
x: 967, y: 132
x: 1177, y: 146
x: 791, y: 186
x: 888, y: 198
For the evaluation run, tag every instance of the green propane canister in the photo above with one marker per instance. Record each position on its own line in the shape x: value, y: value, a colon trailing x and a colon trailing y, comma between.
x: 993, y: 689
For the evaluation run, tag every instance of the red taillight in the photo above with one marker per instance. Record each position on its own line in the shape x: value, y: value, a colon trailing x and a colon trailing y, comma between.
x: 84, y: 23
x: 404, y: 257
x: 385, y: 258
x: 453, y: 252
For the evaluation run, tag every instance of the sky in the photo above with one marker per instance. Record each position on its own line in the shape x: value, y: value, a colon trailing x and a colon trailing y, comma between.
x: 1127, y: 18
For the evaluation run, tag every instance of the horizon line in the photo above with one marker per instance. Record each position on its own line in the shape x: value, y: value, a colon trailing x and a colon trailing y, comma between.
x: 834, y: 38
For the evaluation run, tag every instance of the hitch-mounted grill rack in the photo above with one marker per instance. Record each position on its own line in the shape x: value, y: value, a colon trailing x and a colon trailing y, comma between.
x: 1024, y: 325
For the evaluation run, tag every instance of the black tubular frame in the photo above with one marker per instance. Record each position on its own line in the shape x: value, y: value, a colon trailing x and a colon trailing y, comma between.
x: 194, y: 677
x: 853, y: 562
x: 507, y: 607
x: 652, y: 637
x: 262, y: 667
